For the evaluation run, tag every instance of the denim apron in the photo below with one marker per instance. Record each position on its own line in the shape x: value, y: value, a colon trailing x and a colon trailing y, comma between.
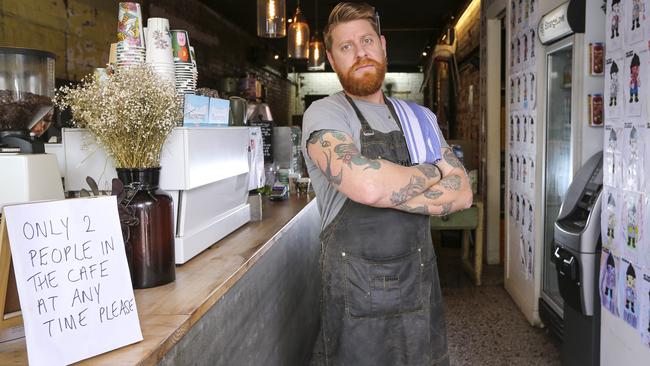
x: 381, y: 301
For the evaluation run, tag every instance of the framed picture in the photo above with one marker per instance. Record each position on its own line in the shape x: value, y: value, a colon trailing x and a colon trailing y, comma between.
x: 595, y: 110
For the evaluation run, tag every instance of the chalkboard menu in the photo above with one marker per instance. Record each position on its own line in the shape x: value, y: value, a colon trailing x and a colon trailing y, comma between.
x: 267, y: 138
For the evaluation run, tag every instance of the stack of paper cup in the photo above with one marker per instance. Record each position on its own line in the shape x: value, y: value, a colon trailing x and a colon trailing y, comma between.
x: 130, y: 47
x: 159, y: 48
x: 195, y: 71
x: 185, y: 80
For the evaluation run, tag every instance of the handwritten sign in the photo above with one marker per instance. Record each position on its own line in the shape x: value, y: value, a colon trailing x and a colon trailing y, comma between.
x: 73, y: 279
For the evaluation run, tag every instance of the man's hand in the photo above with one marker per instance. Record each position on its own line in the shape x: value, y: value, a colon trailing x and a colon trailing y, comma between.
x: 452, y: 193
x: 372, y: 182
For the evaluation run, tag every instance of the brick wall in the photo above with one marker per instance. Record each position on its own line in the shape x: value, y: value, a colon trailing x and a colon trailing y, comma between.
x: 80, y: 32
x: 404, y: 85
x: 468, y: 117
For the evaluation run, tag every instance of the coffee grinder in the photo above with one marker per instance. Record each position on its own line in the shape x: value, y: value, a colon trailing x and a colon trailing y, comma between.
x: 26, y: 89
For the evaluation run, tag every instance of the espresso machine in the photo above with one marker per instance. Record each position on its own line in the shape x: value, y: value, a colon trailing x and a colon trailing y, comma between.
x: 26, y: 90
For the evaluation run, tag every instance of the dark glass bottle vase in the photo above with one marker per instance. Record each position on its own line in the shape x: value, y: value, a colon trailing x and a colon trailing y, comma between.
x: 151, y: 240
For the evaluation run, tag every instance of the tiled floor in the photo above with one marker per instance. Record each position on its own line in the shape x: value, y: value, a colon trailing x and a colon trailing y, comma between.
x: 484, y: 325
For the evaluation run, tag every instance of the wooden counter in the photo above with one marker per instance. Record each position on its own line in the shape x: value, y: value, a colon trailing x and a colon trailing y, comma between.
x: 255, y: 291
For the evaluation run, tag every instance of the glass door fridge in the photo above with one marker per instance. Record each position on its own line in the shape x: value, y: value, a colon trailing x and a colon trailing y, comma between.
x: 557, y: 167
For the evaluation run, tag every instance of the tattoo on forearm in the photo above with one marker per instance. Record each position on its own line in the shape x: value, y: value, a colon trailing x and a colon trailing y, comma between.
x: 412, y: 189
x: 452, y: 160
x: 318, y: 137
x: 349, y: 154
x: 422, y: 210
x: 451, y: 182
x: 433, y: 194
x: 327, y: 171
x: 428, y: 170
x: 446, y: 209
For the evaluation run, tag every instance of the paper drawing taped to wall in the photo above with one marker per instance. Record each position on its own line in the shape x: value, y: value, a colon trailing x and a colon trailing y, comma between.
x: 608, y: 273
x: 614, y: 19
x: 613, y: 90
x: 627, y: 285
x: 635, y: 71
x: 635, y: 22
x: 634, y: 148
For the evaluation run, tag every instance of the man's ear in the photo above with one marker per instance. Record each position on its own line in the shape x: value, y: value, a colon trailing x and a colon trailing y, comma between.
x: 383, y: 43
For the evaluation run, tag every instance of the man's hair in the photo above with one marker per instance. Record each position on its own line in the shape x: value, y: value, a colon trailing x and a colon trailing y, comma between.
x: 347, y: 12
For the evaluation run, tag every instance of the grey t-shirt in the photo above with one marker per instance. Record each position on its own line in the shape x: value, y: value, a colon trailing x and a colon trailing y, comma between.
x: 336, y: 113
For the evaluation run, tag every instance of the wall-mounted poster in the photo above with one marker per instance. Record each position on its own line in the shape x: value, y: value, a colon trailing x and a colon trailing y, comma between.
x: 614, y: 25
x: 609, y: 265
x: 635, y: 21
x: 636, y: 68
x: 628, y: 298
x: 613, y: 87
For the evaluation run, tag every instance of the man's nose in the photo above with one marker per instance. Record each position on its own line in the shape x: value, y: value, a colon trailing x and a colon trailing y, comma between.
x: 361, y: 51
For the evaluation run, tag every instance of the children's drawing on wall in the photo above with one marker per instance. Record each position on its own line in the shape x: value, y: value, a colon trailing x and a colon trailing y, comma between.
x: 520, y: 11
x: 525, y: 90
x: 518, y: 41
x: 512, y: 91
x: 532, y: 130
x: 614, y: 18
x: 518, y: 123
x: 629, y: 303
x: 533, y: 91
x: 531, y: 218
x: 610, y: 219
x: 518, y: 89
x: 634, y: 70
x: 608, y: 294
x: 636, y: 19
x: 512, y: 54
x: 517, y: 207
x: 612, y: 157
x: 525, y: 129
x: 644, y: 308
x: 633, y: 228
x: 613, y: 87
x: 525, y: 47
x: 531, y: 173
x: 529, y: 258
x: 634, y: 172
x: 532, y: 44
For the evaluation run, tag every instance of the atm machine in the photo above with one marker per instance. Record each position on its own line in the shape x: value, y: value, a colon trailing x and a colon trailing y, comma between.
x: 576, y: 257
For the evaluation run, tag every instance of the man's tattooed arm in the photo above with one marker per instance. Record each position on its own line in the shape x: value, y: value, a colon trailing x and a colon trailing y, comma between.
x: 452, y: 193
x: 374, y: 182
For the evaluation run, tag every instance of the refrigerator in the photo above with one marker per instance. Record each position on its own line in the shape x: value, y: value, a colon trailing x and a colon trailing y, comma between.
x: 564, y: 139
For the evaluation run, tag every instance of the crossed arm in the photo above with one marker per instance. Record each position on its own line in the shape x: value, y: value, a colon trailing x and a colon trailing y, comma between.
x: 379, y: 183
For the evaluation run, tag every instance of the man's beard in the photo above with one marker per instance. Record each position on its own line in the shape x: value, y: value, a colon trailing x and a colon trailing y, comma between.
x: 365, y: 84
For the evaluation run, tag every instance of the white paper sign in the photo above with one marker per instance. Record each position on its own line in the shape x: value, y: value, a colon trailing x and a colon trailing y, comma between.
x: 73, y: 279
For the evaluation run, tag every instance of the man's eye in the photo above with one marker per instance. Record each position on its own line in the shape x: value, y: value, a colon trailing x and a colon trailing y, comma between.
x: 367, y: 41
x: 345, y: 47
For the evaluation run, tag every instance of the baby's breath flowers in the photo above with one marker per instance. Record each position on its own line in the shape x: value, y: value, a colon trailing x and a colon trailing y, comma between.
x: 130, y: 113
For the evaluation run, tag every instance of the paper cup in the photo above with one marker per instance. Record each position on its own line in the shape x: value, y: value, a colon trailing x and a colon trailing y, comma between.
x: 159, y: 41
x: 180, y: 45
x: 129, y: 24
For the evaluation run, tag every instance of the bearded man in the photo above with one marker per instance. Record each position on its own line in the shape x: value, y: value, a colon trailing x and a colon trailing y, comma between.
x: 380, y: 167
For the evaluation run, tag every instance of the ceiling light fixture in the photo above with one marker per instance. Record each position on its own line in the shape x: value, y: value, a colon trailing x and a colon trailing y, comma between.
x: 298, y: 40
x: 316, y: 47
x: 270, y: 18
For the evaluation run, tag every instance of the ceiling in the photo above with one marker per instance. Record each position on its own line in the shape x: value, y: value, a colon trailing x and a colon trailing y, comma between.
x: 408, y: 25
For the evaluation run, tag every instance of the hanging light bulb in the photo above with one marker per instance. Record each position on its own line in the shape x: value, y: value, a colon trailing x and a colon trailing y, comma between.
x: 298, y: 41
x: 316, y: 54
x: 316, y: 47
x: 270, y: 18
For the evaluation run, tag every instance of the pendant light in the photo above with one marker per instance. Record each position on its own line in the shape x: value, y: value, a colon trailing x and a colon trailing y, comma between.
x: 298, y: 40
x: 316, y: 47
x: 270, y: 18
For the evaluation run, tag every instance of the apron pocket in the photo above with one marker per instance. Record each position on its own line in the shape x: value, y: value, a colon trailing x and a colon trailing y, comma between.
x: 376, y: 288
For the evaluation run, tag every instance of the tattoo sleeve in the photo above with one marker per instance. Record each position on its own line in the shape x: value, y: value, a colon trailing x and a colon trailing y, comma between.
x: 452, y: 160
x: 374, y: 182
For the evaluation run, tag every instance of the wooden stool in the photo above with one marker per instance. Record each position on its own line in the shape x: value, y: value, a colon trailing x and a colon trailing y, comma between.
x: 466, y: 220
